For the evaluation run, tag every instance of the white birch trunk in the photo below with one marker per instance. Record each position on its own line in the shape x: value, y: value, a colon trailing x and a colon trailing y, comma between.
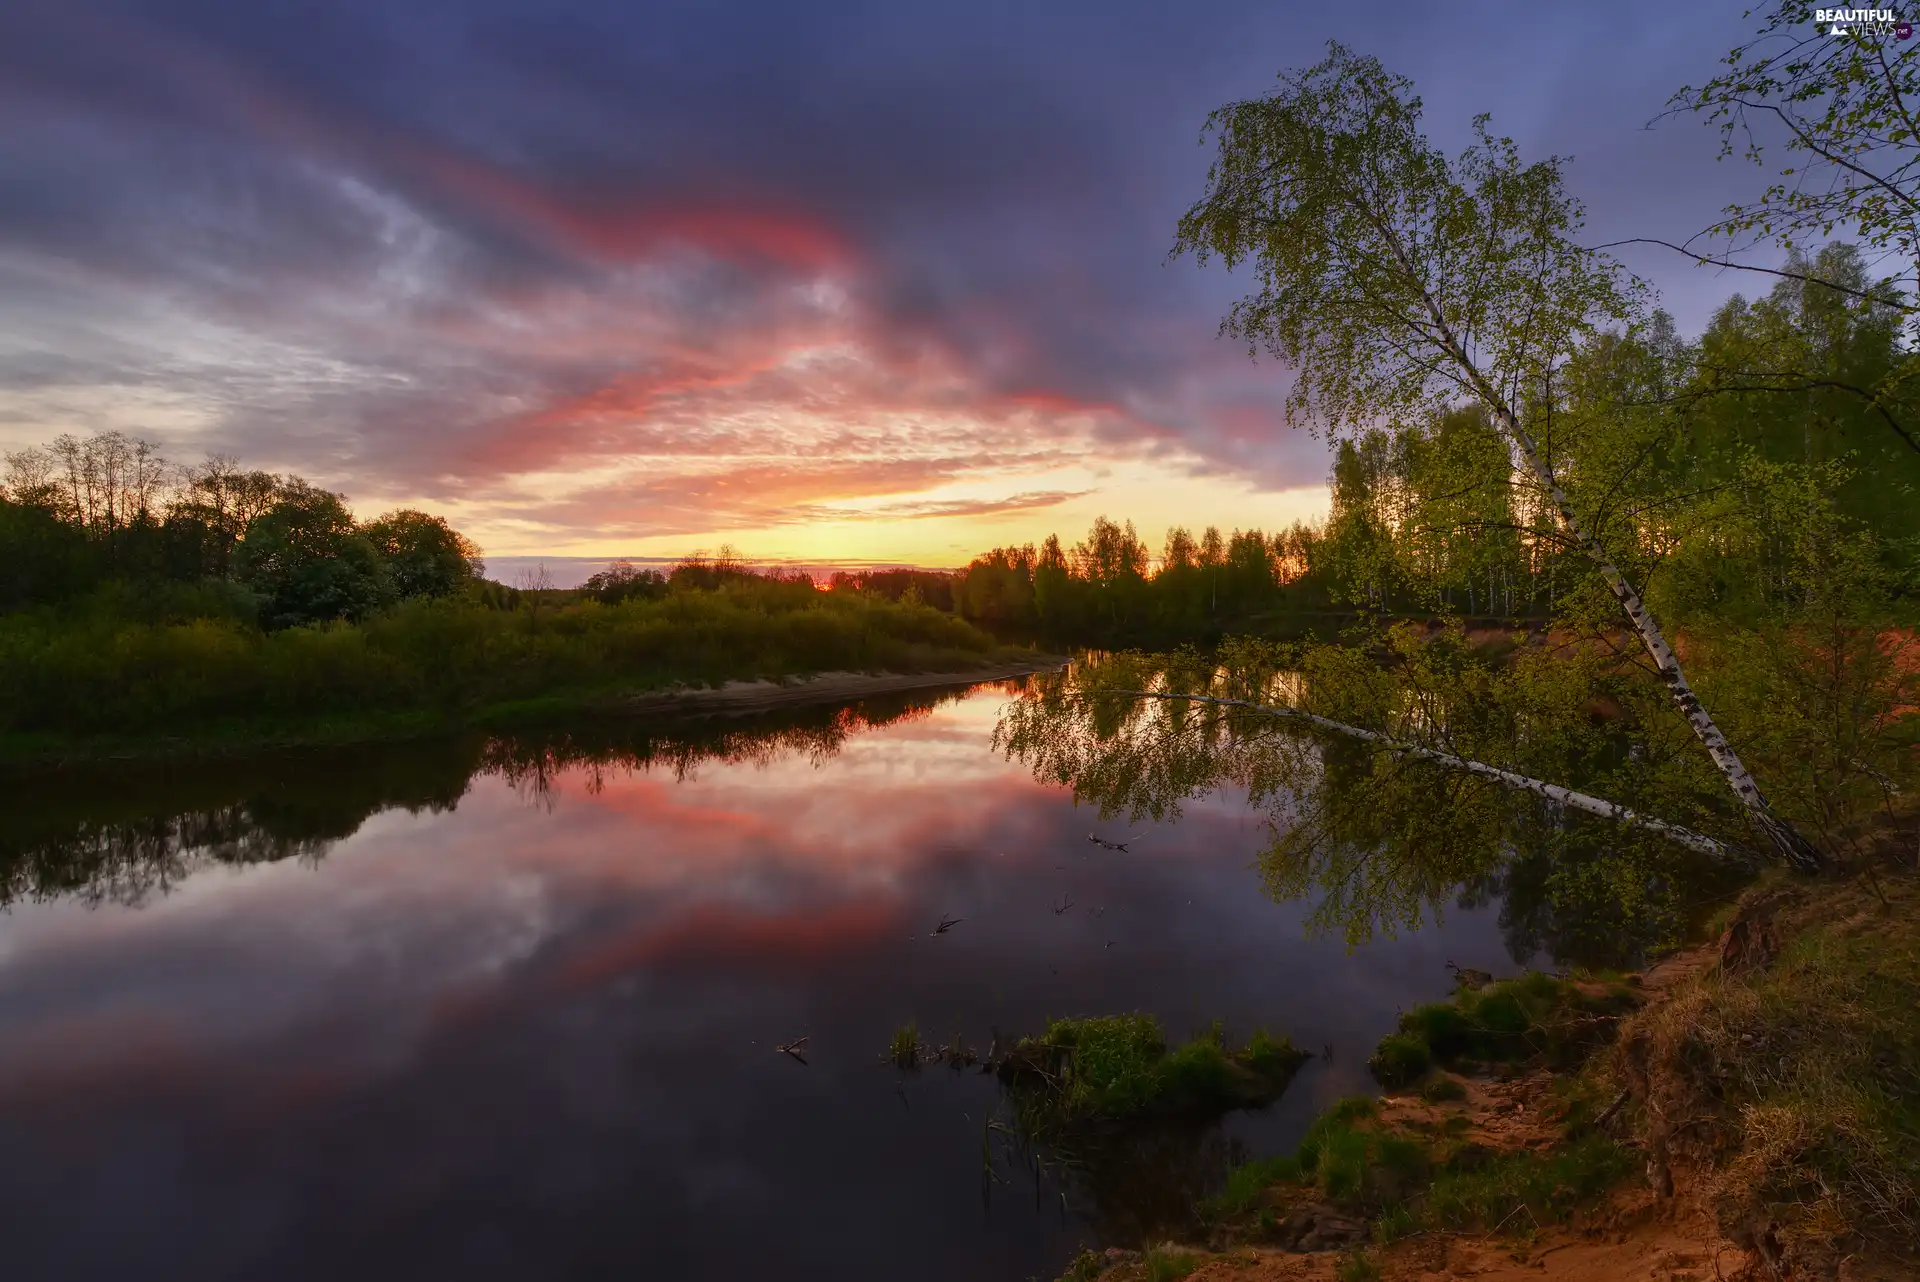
x: 1788, y: 844
x: 1696, y: 841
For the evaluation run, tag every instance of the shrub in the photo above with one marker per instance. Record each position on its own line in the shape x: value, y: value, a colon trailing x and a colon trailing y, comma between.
x: 1533, y: 1016
x: 1247, y: 1181
x: 1400, y: 1059
x: 126, y: 663
x: 1118, y: 1066
x: 1492, y: 1188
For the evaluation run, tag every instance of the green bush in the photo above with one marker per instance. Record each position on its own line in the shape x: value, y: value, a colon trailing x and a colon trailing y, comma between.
x: 1533, y: 1016
x: 1118, y: 1066
x: 1547, y: 1184
x: 1351, y: 1161
x: 116, y: 666
x: 1247, y: 1181
x: 1400, y: 1060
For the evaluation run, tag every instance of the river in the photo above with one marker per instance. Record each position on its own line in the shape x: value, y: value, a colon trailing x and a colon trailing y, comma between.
x: 509, y: 1009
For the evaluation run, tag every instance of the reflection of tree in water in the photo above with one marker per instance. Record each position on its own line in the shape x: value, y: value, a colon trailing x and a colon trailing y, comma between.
x: 129, y: 831
x: 1577, y: 906
x: 130, y: 863
x: 532, y: 762
x: 125, y: 833
x: 1130, y: 1184
x: 1377, y: 841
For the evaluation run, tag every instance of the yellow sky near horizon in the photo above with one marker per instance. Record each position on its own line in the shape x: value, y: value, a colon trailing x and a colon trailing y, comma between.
x: 1153, y: 495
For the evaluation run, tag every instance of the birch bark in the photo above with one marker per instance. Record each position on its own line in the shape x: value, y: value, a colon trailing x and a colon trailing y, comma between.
x: 1785, y: 842
x: 1696, y: 841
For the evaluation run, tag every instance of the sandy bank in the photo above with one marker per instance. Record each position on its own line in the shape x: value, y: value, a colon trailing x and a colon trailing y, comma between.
x: 826, y: 687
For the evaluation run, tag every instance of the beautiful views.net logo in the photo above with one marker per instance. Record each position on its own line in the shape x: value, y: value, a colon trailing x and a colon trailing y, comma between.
x: 1840, y: 22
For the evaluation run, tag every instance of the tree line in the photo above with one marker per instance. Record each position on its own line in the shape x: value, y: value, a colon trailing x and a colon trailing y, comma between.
x: 1721, y: 534
x: 1434, y: 517
x: 79, y: 514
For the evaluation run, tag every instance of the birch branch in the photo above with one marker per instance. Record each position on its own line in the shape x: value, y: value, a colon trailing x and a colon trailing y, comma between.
x: 1695, y: 841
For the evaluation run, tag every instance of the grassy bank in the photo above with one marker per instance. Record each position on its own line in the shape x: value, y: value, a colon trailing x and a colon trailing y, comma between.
x: 1116, y: 1068
x: 79, y: 681
x: 1751, y: 1103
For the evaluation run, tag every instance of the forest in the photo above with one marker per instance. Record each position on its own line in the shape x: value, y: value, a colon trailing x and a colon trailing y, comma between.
x: 1630, y: 608
x: 148, y: 607
x: 1614, y: 624
x: 1797, y: 397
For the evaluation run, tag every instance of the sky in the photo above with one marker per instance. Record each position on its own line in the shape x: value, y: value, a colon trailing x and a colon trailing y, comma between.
x: 838, y: 281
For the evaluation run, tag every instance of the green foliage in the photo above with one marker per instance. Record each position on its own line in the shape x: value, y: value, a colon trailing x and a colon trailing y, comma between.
x: 1269, y: 1054
x: 1353, y: 1161
x: 1381, y: 262
x: 1405, y: 1182
x: 1118, y: 1067
x: 904, y: 1049
x: 1805, y: 1074
x: 1350, y: 1108
x: 1169, y: 1264
x: 1106, y: 591
x: 1248, y: 1182
x: 1548, y: 1184
x: 309, y: 563
x: 42, y: 558
x: 1400, y: 1060
x: 424, y: 555
x: 109, y: 509
x: 1443, y: 1090
x: 622, y: 581
x: 75, y: 675
x: 1533, y: 1017
x: 1849, y: 136
x: 1084, y: 1267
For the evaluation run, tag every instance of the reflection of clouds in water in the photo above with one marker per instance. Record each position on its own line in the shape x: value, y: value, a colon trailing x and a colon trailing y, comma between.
x: 560, y: 1025
x: 418, y: 917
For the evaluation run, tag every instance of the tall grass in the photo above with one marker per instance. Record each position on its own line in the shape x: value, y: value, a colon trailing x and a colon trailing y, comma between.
x: 116, y: 672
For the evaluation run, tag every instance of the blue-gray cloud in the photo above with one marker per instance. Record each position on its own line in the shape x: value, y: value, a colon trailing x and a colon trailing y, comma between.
x: 428, y: 247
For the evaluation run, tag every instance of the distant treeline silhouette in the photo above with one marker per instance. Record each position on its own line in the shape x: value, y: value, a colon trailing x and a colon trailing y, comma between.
x: 213, y: 603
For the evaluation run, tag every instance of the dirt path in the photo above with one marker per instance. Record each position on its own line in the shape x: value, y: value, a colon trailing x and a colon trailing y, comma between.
x: 826, y: 687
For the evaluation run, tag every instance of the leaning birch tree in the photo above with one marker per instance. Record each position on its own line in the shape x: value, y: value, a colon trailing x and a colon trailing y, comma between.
x: 1400, y: 282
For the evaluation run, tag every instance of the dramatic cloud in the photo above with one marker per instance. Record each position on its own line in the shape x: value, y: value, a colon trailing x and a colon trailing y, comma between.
x: 600, y: 277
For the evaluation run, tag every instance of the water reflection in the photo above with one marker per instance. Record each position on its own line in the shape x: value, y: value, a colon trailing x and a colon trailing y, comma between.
x: 490, y: 1008
x: 121, y: 832
x: 1377, y: 841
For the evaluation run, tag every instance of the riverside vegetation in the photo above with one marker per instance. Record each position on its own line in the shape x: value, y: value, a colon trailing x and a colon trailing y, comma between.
x: 142, y: 605
x: 1762, y: 1086
x: 1704, y: 558
x: 1604, y: 622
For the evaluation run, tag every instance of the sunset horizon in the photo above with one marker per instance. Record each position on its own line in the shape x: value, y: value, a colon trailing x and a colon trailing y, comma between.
x: 822, y: 289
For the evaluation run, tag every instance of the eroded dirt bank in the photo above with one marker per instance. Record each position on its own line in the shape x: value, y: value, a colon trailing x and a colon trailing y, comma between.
x: 1748, y: 1110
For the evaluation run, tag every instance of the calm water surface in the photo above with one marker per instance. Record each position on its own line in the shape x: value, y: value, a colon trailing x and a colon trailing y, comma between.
x: 471, y: 1010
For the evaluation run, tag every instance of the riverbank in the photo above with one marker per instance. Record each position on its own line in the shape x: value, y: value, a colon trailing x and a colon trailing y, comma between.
x: 676, y: 702
x: 83, y: 684
x: 1747, y: 1108
x: 739, y: 698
